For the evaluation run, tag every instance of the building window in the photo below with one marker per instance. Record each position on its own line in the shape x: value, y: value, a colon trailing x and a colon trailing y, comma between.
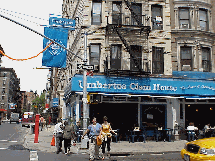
x: 3, y: 90
x: 96, y: 13
x: 186, y: 58
x: 117, y: 12
x: 206, y: 59
x: 157, y: 60
x: 95, y: 54
x: 116, y: 51
x: 157, y: 17
x: 136, y: 14
x: 135, y: 57
x: 184, y: 18
x: 203, y: 19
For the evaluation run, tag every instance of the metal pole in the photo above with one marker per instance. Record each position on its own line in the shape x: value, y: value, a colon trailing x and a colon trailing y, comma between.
x: 85, y: 109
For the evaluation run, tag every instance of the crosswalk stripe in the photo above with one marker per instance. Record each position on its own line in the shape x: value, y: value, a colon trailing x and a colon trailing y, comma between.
x: 3, y: 148
x: 9, y: 141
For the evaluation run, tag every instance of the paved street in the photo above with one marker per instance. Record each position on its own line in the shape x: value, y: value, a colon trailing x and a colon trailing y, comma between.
x: 17, y: 143
x: 11, y: 143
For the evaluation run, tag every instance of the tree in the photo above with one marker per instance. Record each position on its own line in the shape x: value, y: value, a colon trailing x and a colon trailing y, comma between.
x: 39, y: 102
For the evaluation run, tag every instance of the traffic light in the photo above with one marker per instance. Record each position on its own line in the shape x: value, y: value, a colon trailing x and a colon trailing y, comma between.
x: 93, y: 98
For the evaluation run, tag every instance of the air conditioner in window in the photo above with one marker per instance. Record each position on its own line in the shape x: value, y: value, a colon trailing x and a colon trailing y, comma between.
x: 96, y: 67
x: 186, y: 68
x: 203, y: 28
x: 185, y: 26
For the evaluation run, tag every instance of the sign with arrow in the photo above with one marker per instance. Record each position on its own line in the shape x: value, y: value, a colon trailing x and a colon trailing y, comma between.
x: 82, y: 66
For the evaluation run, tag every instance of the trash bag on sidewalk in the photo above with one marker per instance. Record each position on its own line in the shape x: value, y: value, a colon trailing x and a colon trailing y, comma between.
x: 53, y: 141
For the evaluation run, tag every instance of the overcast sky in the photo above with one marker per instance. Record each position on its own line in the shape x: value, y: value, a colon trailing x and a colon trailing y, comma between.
x: 19, y: 42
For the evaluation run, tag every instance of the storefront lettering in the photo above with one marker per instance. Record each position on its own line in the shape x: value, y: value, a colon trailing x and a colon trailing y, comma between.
x: 100, y: 85
x: 199, y: 86
x: 133, y: 86
x: 158, y: 87
x: 136, y: 86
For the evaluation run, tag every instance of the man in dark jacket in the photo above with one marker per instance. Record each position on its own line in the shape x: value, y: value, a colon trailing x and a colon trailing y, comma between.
x: 68, y: 134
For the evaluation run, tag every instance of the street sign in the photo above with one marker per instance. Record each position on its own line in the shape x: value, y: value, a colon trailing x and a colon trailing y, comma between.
x: 54, y: 21
x: 12, y: 106
x: 55, y: 102
x: 82, y: 66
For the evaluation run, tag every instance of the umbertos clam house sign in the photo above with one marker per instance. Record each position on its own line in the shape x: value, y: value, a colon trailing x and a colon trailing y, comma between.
x: 143, y: 85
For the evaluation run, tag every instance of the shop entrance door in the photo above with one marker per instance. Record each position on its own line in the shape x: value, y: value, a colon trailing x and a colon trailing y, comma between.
x: 121, y: 116
x: 154, y: 115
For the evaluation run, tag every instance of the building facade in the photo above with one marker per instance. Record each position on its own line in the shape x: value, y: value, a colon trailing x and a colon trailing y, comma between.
x: 133, y: 44
x: 10, y: 91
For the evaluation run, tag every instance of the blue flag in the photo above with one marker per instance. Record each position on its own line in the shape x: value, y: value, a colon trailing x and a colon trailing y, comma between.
x: 55, y: 56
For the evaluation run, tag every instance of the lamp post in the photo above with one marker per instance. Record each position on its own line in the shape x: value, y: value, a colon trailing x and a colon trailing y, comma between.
x: 84, y: 99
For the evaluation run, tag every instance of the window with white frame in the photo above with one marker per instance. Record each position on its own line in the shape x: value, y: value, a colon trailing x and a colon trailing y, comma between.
x: 184, y: 18
x: 136, y: 14
x: 157, y: 60
x: 116, y: 51
x: 186, y: 58
x: 117, y: 12
x: 157, y: 17
x: 95, y: 54
x: 206, y: 59
x: 96, y: 13
x: 203, y: 19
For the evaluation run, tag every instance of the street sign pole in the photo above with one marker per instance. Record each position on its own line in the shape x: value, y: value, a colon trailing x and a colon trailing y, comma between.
x: 85, y: 109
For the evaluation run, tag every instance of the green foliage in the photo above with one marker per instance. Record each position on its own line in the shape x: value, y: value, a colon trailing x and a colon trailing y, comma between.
x: 39, y: 102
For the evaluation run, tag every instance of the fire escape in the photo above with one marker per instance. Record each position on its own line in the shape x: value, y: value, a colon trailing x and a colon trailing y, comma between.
x: 131, y: 32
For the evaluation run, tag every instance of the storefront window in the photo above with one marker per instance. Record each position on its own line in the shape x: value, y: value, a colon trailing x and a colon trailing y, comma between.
x: 181, y: 112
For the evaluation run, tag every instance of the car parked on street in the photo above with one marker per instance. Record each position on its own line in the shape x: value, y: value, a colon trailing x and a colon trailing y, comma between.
x: 14, y: 117
x: 202, y: 149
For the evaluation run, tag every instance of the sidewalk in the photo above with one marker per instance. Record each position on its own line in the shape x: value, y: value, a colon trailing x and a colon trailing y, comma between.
x: 45, y: 138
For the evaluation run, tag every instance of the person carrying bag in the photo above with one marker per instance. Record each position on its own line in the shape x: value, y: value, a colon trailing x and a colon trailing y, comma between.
x: 94, y: 131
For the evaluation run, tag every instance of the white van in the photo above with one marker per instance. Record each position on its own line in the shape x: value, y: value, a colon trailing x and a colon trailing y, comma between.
x: 14, y: 117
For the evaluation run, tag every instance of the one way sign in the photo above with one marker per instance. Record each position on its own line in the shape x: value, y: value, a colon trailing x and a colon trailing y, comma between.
x: 82, y: 66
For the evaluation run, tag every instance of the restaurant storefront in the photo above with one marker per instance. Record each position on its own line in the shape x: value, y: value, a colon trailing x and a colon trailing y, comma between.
x: 138, y: 101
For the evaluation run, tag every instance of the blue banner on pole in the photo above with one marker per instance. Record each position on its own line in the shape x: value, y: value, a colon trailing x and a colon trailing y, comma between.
x: 55, y: 56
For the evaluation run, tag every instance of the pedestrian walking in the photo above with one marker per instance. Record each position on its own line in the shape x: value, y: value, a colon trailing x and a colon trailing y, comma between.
x: 42, y: 122
x: 94, y: 131
x: 68, y: 134
x: 106, y: 135
x: 58, y: 132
